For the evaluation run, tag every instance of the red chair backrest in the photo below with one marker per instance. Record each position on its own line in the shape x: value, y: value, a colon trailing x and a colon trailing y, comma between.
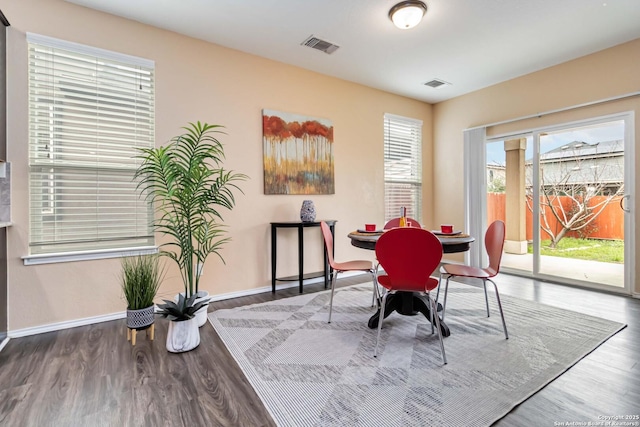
x: 395, y: 222
x: 328, y: 242
x: 494, y: 243
x: 409, y: 256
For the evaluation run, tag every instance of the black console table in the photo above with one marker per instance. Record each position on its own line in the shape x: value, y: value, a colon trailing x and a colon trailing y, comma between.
x: 274, y: 249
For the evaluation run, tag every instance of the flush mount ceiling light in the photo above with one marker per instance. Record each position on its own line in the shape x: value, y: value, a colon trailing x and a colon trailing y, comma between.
x: 407, y: 14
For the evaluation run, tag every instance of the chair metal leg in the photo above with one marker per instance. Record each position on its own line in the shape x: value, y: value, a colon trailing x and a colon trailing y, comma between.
x: 434, y: 312
x: 380, y: 319
x: 333, y: 287
x: 446, y: 290
x: 504, y: 324
x: 375, y: 297
x: 439, y: 283
x: 486, y: 298
x: 376, y: 287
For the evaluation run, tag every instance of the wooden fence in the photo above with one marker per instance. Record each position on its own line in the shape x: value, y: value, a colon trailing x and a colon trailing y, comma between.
x: 608, y: 225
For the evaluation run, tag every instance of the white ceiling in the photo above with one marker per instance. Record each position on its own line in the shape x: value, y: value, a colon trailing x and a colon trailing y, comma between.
x: 471, y: 44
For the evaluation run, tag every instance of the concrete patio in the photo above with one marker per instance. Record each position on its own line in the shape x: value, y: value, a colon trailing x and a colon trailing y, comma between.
x: 592, y: 271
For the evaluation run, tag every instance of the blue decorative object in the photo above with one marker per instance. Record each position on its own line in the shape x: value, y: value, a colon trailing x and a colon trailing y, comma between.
x: 308, y: 211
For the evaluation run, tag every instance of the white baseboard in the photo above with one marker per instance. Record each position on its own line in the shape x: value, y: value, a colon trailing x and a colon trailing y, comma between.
x: 65, y: 325
x: 123, y: 314
x: 3, y: 343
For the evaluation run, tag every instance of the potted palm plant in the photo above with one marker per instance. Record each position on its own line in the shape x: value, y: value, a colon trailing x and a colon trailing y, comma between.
x: 188, y: 188
x: 140, y: 279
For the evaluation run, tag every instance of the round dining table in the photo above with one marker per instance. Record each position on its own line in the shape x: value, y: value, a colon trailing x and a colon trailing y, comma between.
x: 411, y: 303
x: 451, y: 243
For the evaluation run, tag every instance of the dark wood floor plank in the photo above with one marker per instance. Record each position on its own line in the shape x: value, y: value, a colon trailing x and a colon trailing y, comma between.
x: 92, y: 375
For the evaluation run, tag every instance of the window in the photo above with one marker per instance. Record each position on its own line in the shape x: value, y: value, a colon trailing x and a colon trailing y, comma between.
x: 402, y: 166
x: 89, y: 111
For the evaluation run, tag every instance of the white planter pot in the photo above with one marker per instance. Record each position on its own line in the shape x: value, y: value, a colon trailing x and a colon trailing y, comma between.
x: 201, y: 314
x: 183, y: 336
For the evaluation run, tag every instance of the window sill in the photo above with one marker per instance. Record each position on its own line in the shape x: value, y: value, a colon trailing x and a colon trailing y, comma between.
x: 87, y: 255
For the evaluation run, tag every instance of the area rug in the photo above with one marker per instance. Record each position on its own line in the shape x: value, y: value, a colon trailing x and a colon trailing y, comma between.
x: 311, y: 373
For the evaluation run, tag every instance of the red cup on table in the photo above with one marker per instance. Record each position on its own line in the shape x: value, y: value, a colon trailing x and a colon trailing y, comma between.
x: 370, y: 227
x: 446, y: 228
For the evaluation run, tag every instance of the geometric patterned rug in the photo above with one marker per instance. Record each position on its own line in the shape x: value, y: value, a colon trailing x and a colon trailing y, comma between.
x: 311, y: 373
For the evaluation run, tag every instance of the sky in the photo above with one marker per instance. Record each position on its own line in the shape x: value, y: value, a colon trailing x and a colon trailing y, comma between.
x: 609, y: 131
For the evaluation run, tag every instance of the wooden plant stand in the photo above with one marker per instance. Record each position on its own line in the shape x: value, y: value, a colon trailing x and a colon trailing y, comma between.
x: 132, y: 332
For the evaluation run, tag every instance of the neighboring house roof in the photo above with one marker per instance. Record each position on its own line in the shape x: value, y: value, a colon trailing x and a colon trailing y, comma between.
x: 579, y: 162
x: 583, y: 149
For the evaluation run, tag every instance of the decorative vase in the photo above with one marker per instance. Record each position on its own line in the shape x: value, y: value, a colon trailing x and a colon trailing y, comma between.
x: 138, y: 319
x: 308, y: 211
x: 183, y: 335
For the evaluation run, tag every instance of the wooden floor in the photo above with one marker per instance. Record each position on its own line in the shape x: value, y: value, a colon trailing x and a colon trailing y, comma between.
x: 91, y: 375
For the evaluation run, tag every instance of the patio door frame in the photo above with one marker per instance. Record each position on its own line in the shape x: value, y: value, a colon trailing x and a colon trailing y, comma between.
x: 475, y: 141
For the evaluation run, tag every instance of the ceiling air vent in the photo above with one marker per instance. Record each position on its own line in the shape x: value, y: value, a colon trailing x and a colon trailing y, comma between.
x: 319, y: 44
x: 436, y: 83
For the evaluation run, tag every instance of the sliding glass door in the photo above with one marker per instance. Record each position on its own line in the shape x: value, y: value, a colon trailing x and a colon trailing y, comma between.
x: 563, y: 193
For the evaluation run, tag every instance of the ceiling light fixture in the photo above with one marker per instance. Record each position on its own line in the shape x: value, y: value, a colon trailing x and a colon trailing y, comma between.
x: 407, y: 14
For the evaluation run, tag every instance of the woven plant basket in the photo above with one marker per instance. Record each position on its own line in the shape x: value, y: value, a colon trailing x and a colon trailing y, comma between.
x: 138, y: 319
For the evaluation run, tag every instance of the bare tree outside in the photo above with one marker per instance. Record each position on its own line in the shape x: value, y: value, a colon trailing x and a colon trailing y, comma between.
x: 577, y: 181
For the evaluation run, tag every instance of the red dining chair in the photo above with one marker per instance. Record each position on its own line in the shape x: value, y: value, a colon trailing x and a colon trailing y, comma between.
x: 395, y: 222
x: 408, y: 256
x: 493, y: 242
x: 339, y: 267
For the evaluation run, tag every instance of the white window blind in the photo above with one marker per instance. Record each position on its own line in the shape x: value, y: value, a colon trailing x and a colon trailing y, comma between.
x: 89, y: 111
x: 402, y: 166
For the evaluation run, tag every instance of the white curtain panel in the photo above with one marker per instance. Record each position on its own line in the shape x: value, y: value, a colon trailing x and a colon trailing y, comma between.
x: 475, y: 190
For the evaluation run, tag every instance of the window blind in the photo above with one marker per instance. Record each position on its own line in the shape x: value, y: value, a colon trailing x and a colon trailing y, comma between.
x: 402, y: 166
x: 89, y: 111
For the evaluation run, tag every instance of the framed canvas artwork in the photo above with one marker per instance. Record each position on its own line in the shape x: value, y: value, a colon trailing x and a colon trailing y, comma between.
x: 298, y: 154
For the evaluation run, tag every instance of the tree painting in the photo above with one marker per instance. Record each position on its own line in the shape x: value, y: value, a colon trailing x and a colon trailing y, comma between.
x: 298, y: 154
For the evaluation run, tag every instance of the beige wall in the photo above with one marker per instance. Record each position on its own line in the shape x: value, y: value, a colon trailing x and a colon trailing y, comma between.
x: 606, y: 74
x: 206, y: 82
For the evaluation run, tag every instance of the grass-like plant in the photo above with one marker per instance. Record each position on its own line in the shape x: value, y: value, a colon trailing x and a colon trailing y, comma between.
x: 141, y: 277
x: 187, y: 186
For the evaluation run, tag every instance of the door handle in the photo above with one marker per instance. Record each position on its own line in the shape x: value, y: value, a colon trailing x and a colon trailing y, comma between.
x: 626, y: 196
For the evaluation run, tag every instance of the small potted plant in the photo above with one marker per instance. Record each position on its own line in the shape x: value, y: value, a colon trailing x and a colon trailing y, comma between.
x: 183, y: 334
x: 140, y: 279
